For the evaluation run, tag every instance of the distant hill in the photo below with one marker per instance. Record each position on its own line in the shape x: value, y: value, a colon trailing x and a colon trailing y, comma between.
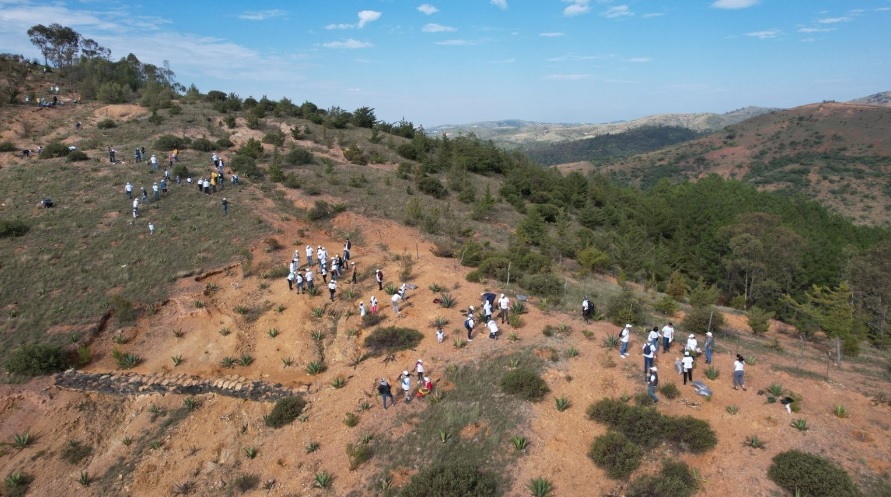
x: 837, y: 153
x: 634, y: 141
x: 883, y: 98
x: 514, y: 133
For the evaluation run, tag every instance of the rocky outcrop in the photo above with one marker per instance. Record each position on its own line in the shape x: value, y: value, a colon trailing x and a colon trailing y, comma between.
x: 125, y: 384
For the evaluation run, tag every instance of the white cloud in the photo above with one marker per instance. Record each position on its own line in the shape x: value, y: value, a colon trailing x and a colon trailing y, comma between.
x: 653, y: 14
x: 734, y: 4
x: 501, y: 4
x: 437, y: 28
x: 617, y: 12
x: 262, y: 15
x: 834, y: 20
x: 808, y: 40
x: 765, y: 35
x: 567, y: 77
x: 365, y: 17
x: 457, y: 43
x: 350, y: 44
x: 640, y: 60
x: 576, y: 7
x: 883, y: 9
x: 815, y: 30
x: 427, y: 9
x: 551, y: 35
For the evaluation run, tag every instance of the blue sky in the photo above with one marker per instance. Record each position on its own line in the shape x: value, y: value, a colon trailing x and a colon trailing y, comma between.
x: 457, y: 61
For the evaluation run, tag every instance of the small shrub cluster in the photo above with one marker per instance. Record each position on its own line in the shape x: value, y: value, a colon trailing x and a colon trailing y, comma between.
x: 35, y: 359
x: 106, y: 124
x: 674, y: 480
x: 524, y: 383
x: 53, y: 150
x: 76, y: 156
x: 285, y: 411
x: 811, y: 475
x: 170, y: 142
x: 13, y: 228
x: 616, y: 454
x: 392, y: 339
x: 626, y: 307
x: 450, y: 479
x: 647, y: 427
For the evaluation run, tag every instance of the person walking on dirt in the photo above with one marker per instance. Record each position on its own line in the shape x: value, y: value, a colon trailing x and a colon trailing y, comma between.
x: 332, y: 287
x: 379, y: 277
x: 128, y: 189
x: 154, y: 162
x: 373, y: 304
x: 386, y: 392
x: 653, y: 338
x: 667, y: 336
x: 156, y: 192
x: 586, y: 309
x: 624, y: 337
x: 652, y: 383
x: 687, y: 364
x: 648, y: 355
x: 503, y: 306
x: 135, y: 208
x: 419, y: 367
x: 309, y: 284
x: 487, y: 311
x: 493, y: 329
x: 346, y: 250
x: 291, y: 278
x: 362, y: 311
x: 144, y: 195
x: 299, y: 279
x: 225, y: 204
x: 739, y: 366
x: 709, y: 346
x: 405, y: 378
x: 308, y: 255
x: 395, y: 300
x: 468, y: 324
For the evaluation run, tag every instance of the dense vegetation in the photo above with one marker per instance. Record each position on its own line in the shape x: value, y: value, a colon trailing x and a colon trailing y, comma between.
x: 631, y: 142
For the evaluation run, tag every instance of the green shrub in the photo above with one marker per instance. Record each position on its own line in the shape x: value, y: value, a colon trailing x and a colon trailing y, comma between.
x: 608, y: 411
x: 358, y: 454
x: 675, y: 480
x: 274, y: 137
x: 451, y: 479
x: 669, y: 390
x: 285, y: 411
x: 524, y: 383
x: 76, y: 155
x: 203, y: 145
x: 251, y: 148
x: 543, y: 285
x: 616, y: 454
x: 625, y: 307
x: 666, y: 306
x: 170, y: 142
x: 13, y: 228
x: 392, y: 339
x: 759, y: 320
x: 245, y: 165
x: 106, y: 124
x: 692, y: 434
x: 225, y: 142
x: 114, y: 93
x: 811, y: 475
x: 370, y: 320
x: 320, y: 211
x: 433, y: 187
x: 298, y: 156
x: 8, y: 146
x: 35, y: 359
x: 699, y: 318
x: 180, y: 170
x: 53, y: 150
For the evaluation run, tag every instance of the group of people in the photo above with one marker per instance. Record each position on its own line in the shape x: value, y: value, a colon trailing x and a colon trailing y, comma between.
x: 488, y: 304
x: 303, y: 281
x: 684, y: 365
x: 404, y: 379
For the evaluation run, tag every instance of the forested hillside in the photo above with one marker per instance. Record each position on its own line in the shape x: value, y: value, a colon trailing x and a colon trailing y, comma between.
x: 838, y: 154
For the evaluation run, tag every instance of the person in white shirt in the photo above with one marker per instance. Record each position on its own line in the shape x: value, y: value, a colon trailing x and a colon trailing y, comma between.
x: 373, y: 302
x: 468, y: 324
x: 439, y: 335
x: 692, y: 344
x: 308, y: 278
x: 503, y: 305
x: 624, y: 337
x: 151, y: 228
x: 402, y: 289
x: 299, y: 279
x: 419, y: 367
x: 395, y: 300
x: 586, y: 309
x: 667, y: 336
x: 653, y: 338
x: 128, y: 190
x: 493, y: 329
x: 487, y: 311
x: 309, y: 255
x: 362, y: 312
x: 405, y: 378
x: 291, y: 278
x: 332, y: 287
x: 649, y: 352
x: 738, y: 372
x: 687, y: 364
x: 135, y: 208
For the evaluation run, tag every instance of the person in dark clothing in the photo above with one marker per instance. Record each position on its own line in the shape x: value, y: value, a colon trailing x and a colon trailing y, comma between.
x: 386, y: 392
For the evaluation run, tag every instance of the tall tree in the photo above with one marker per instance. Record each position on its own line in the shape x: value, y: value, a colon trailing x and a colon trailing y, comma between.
x: 871, y: 283
x: 58, y: 44
x: 834, y: 312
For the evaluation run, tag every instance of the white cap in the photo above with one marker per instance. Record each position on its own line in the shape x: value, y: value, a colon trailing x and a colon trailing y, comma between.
x: 628, y: 325
x: 502, y: 295
x: 692, y: 335
x: 405, y: 373
x: 426, y: 378
x: 420, y: 360
x: 653, y: 368
x: 709, y: 333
